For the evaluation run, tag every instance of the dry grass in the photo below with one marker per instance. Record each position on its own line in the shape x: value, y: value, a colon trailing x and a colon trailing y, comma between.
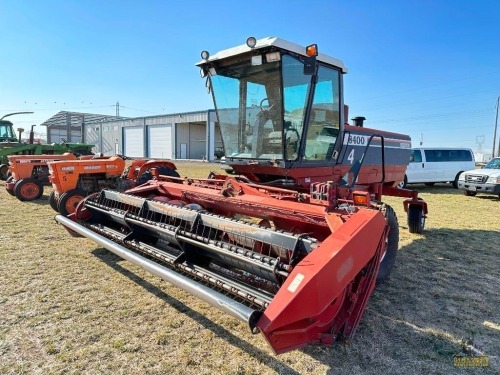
x: 68, y: 306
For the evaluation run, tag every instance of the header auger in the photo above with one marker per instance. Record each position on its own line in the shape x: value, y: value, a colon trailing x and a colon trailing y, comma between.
x: 295, y: 243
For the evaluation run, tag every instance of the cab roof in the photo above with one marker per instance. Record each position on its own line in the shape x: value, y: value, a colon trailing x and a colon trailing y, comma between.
x: 273, y: 42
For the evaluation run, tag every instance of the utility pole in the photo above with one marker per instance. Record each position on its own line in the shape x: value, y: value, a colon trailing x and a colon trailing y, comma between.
x: 118, y: 111
x: 495, y: 133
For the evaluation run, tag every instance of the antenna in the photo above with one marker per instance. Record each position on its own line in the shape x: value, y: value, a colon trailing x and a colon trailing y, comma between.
x: 479, y: 143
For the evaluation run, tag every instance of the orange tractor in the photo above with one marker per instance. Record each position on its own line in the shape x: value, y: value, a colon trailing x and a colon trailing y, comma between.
x: 73, y: 180
x: 295, y: 242
x: 28, y: 174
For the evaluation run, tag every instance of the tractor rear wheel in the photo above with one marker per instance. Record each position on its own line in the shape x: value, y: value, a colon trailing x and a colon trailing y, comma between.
x: 53, y: 201
x: 416, y: 218
x: 28, y: 189
x: 389, y: 257
x: 10, y: 191
x: 69, y: 200
x: 4, y: 169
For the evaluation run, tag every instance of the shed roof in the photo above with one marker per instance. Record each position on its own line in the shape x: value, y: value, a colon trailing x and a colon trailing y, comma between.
x: 76, y: 119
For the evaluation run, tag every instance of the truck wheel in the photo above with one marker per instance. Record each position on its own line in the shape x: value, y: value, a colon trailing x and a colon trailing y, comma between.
x: 4, y: 169
x: 28, y: 189
x: 10, y: 191
x: 69, y: 200
x: 470, y: 193
x: 389, y: 257
x: 402, y: 184
x: 416, y: 219
x: 53, y: 201
x: 454, y: 183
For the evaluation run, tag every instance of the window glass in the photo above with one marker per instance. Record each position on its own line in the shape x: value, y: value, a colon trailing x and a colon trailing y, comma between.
x: 295, y: 92
x: 325, y: 116
x: 416, y: 156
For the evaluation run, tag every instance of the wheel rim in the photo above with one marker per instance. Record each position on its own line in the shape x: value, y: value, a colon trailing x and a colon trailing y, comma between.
x: 72, y: 202
x: 30, y: 190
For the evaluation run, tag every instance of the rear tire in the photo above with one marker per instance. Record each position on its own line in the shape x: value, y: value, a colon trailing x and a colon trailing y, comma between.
x: 470, y: 193
x: 53, y: 201
x: 28, y: 189
x: 69, y: 200
x: 454, y: 183
x: 389, y: 258
x: 416, y: 219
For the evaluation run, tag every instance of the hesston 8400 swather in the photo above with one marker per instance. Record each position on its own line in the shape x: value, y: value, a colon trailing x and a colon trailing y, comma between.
x: 295, y: 243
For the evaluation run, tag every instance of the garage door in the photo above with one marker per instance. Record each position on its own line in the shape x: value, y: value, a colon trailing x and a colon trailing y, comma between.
x: 160, y: 141
x: 133, y: 141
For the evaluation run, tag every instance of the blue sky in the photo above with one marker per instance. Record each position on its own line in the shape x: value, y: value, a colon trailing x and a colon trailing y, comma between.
x: 426, y: 68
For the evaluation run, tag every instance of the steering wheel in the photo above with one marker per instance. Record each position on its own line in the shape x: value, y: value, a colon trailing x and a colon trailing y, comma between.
x: 262, y: 102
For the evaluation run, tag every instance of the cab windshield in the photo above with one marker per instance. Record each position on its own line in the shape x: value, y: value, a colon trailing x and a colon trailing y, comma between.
x: 262, y: 108
x: 6, y: 132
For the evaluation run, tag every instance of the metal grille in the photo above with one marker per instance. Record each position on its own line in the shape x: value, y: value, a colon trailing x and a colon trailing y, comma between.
x: 475, y: 178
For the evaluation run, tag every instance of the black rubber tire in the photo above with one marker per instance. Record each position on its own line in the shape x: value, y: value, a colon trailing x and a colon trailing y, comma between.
x: 69, y: 200
x: 4, y: 170
x: 53, y: 201
x: 469, y: 193
x: 391, y: 252
x: 454, y: 183
x: 10, y: 191
x: 429, y: 183
x: 28, y: 189
x: 402, y: 184
x: 416, y: 219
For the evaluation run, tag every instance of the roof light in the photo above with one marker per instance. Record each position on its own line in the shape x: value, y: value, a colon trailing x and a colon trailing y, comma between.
x: 205, y: 55
x: 312, y: 50
x: 251, y: 42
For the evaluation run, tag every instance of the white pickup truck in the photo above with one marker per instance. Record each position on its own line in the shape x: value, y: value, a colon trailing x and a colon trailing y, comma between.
x: 486, y: 180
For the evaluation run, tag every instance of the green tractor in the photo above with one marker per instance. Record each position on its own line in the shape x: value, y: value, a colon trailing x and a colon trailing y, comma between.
x: 12, y: 145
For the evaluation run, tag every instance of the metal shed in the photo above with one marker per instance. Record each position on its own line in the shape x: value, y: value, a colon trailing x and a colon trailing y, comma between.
x: 67, y: 126
x: 189, y: 135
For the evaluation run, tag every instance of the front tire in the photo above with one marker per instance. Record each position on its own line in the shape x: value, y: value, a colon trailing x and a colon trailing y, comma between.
x: 10, y: 191
x: 28, y: 189
x: 4, y: 170
x: 53, y: 201
x: 469, y: 193
x: 416, y: 218
x: 389, y: 257
x: 69, y: 200
x: 402, y: 184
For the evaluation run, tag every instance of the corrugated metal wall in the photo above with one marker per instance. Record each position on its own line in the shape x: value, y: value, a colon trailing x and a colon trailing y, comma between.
x: 189, y: 133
